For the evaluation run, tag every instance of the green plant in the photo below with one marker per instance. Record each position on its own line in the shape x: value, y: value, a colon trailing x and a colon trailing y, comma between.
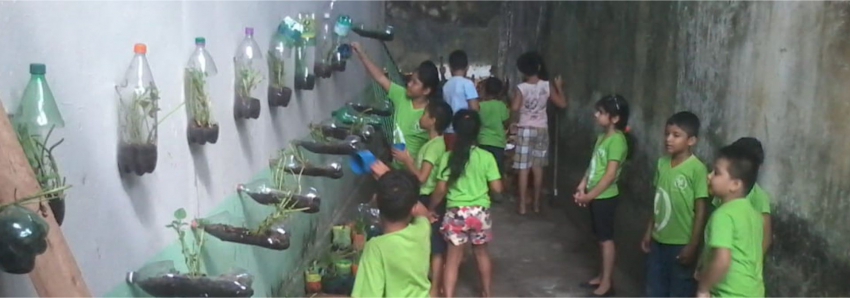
x: 139, y: 114
x: 276, y: 70
x: 40, y: 157
x: 197, y: 97
x: 248, y: 79
x: 192, y: 255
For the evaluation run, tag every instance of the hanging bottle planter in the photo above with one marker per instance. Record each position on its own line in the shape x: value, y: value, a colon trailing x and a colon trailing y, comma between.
x: 294, y: 163
x: 383, y: 109
x: 282, y: 43
x: 340, y: 51
x: 385, y: 34
x: 305, y: 53
x: 34, y: 122
x: 202, y: 127
x: 330, y: 129
x: 247, y: 61
x: 264, y: 192
x: 346, y: 115
x: 160, y: 279
x: 138, y: 104
x: 23, y: 236
x: 348, y: 146
x: 324, y: 44
x: 273, y: 238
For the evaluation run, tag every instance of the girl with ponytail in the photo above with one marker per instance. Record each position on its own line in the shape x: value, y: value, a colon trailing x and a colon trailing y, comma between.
x: 466, y: 177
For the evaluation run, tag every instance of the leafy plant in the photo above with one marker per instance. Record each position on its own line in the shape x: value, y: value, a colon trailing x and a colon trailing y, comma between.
x: 40, y: 157
x: 248, y: 79
x: 197, y: 97
x: 139, y: 114
x: 276, y: 70
x: 192, y: 255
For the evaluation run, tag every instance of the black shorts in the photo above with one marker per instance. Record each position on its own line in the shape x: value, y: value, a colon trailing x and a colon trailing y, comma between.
x: 438, y: 243
x: 602, y: 215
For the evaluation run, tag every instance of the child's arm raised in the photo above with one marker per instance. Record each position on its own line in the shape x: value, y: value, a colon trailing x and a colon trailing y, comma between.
x: 714, y: 271
x: 376, y: 72
x: 557, y: 94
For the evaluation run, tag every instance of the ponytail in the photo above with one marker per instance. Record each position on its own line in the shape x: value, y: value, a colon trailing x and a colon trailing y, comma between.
x: 466, y: 124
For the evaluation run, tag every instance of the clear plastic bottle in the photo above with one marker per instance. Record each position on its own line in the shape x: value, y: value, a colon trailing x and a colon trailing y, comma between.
x: 202, y: 127
x: 384, y: 34
x: 138, y: 106
x: 340, y: 51
x: 305, y: 53
x: 38, y: 110
x: 281, y: 48
x: 324, y: 44
x: 247, y: 62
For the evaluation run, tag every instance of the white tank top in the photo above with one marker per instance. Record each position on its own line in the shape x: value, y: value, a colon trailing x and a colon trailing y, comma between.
x: 535, y: 98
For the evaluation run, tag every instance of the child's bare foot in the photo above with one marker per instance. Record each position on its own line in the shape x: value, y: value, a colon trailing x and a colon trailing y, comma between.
x: 604, y: 290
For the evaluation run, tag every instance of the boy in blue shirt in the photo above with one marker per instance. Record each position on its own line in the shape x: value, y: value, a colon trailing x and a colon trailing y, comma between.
x: 458, y: 91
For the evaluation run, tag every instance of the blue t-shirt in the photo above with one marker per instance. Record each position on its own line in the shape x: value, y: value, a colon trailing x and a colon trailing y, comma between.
x: 457, y: 91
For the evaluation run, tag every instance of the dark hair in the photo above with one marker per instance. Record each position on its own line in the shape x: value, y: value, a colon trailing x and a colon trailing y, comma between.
x: 430, y: 78
x: 753, y: 147
x: 442, y: 113
x: 458, y: 60
x: 466, y: 124
x: 615, y: 105
x: 743, y: 165
x: 687, y: 121
x: 492, y: 86
x: 531, y: 64
x: 398, y: 192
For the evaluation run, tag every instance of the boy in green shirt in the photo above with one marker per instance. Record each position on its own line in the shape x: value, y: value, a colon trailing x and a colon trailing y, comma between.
x: 494, y: 120
x: 395, y: 264
x: 675, y: 231
x: 731, y: 265
x: 435, y: 120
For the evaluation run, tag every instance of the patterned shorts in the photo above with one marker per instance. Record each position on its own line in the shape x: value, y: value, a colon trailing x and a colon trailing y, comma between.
x: 467, y: 224
x: 532, y: 148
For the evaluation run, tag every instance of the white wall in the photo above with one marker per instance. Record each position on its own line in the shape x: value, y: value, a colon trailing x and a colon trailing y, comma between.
x: 114, y: 224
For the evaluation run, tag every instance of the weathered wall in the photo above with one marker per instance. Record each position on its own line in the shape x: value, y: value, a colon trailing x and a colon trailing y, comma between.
x: 777, y: 71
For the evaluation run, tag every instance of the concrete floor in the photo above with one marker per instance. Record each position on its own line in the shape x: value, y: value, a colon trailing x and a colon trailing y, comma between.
x: 545, y: 255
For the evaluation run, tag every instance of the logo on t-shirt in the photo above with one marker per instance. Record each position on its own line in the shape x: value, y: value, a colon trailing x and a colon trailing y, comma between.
x: 664, y: 206
x: 600, y: 155
x: 681, y: 182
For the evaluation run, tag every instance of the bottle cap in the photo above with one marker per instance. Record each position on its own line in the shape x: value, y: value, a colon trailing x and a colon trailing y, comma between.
x: 38, y: 69
x: 200, y: 41
x: 140, y: 48
x: 249, y: 31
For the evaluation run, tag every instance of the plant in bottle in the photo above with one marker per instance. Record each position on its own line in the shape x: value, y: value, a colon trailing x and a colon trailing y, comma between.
x: 247, y: 61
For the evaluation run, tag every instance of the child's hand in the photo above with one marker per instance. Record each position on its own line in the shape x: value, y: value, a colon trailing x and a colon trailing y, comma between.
x: 433, y: 217
x: 379, y: 169
x: 558, y: 81
x: 582, y: 199
x: 356, y: 47
x: 687, y: 254
x: 512, y: 128
x: 402, y: 155
x: 644, y: 244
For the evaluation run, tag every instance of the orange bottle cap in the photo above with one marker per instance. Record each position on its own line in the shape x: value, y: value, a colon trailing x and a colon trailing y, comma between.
x: 140, y: 48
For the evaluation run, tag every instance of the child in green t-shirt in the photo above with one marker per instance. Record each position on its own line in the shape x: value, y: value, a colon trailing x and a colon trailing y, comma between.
x: 598, y: 189
x: 757, y: 197
x: 731, y: 264
x: 435, y: 120
x: 409, y: 103
x: 494, y: 120
x: 395, y: 264
x: 466, y: 177
x: 674, y: 233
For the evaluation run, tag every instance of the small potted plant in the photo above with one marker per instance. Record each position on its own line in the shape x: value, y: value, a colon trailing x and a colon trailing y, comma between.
x: 329, y: 129
x: 281, y: 47
x: 292, y: 161
x: 138, y: 104
x: 358, y: 233
x: 348, y: 146
x: 313, y: 278
x: 160, y: 279
x: 202, y: 127
x: 263, y: 191
x: 305, y: 51
x: 247, y: 60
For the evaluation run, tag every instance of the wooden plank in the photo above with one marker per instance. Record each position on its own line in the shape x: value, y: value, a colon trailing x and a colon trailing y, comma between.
x: 56, y: 273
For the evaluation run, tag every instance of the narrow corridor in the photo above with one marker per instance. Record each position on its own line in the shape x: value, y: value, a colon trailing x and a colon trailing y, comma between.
x: 544, y: 255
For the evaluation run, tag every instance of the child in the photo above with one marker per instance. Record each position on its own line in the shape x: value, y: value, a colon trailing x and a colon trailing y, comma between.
x: 732, y: 260
x: 409, y: 103
x: 673, y: 235
x: 530, y: 102
x: 458, y: 91
x: 494, y: 117
x: 757, y: 197
x: 395, y: 263
x: 467, y: 175
x: 436, y: 118
x: 599, y: 186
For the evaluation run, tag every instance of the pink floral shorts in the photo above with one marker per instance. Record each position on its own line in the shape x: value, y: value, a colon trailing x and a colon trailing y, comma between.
x: 467, y: 224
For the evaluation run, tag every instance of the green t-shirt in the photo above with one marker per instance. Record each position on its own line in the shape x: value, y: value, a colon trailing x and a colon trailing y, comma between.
x: 471, y: 188
x: 431, y: 153
x: 676, y: 191
x: 407, y: 120
x: 396, y: 264
x: 607, y: 149
x: 737, y: 226
x: 493, y: 115
x: 757, y: 197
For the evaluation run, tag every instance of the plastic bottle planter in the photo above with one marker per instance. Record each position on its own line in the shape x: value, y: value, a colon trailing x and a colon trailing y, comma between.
x: 247, y: 61
x: 348, y: 146
x: 383, y: 35
x: 275, y: 238
x: 280, y: 48
x: 23, y: 236
x: 371, y: 218
x: 305, y: 53
x: 346, y: 115
x: 202, y: 127
x: 341, y: 236
x: 340, y: 51
x: 263, y: 192
x: 329, y: 129
x: 160, y: 279
x: 383, y: 109
x: 312, y: 282
x: 138, y: 106
x: 34, y: 122
x: 325, y: 43
x: 296, y: 166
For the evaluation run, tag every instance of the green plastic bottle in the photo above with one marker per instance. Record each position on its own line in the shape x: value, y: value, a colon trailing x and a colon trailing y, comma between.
x: 38, y: 110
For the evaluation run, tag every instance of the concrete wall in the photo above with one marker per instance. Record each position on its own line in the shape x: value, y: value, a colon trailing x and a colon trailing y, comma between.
x: 774, y: 70
x: 115, y: 225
